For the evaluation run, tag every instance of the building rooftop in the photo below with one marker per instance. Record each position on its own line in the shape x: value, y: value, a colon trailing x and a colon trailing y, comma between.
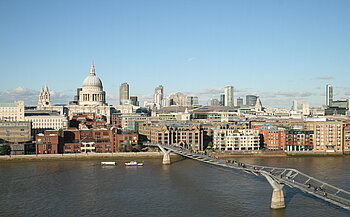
x: 41, y: 113
x: 8, y: 104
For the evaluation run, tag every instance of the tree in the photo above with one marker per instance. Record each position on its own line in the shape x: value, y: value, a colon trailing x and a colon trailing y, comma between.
x: 5, y: 150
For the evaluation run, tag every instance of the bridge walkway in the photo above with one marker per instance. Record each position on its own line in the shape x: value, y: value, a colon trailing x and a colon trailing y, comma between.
x: 284, y: 176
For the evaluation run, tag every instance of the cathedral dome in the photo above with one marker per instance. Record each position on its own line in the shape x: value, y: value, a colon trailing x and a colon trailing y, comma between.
x: 92, y: 80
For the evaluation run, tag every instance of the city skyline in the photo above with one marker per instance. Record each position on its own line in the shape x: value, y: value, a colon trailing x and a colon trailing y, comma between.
x: 281, y: 51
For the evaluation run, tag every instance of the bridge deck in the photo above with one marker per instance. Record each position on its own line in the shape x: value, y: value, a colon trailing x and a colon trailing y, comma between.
x: 290, y: 177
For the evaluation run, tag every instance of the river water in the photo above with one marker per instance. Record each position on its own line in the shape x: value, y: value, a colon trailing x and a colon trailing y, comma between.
x: 184, y: 188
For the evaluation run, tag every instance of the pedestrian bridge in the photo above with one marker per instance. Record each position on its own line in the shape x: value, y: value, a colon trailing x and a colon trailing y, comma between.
x: 277, y: 177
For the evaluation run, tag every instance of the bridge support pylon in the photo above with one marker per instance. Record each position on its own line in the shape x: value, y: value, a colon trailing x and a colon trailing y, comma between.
x: 277, y: 200
x: 166, y: 156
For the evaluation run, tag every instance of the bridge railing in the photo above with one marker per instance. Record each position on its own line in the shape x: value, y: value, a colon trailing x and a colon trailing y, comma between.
x: 288, y: 176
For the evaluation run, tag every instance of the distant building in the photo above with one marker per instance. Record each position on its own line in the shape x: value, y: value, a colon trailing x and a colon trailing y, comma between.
x: 222, y: 99
x: 329, y: 95
x: 178, y: 99
x: 302, y: 108
x: 239, y: 102
x: 124, y: 94
x: 214, y: 102
x: 250, y: 100
x: 44, y: 98
x: 192, y: 100
x: 159, y: 96
x: 338, y: 107
x: 12, y: 111
x: 228, y: 91
x: 134, y: 101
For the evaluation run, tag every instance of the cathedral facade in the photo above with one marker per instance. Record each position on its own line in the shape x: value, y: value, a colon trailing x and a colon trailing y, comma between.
x: 91, y: 98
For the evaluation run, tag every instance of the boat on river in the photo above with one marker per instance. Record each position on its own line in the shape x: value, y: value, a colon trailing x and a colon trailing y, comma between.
x: 108, y: 163
x: 134, y: 163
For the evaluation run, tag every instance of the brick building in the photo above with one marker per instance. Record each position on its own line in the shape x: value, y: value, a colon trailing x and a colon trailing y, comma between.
x: 86, y: 140
x: 328, y: 135
x: 272, y: 138
x: 49, y: 142
x: 346, y: 137
x: 299, y: 140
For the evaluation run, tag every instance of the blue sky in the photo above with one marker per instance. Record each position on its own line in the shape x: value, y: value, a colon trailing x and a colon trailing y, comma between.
x: 280, y: 50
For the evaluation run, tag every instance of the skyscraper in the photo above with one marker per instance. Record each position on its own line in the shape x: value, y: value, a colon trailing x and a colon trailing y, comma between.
x: 250, y: 100
x: 222, y: 99
x: 134, y: 101
x: 329, y: 94
x: 239, y: 102
x: 159, y: 95
x: 214, y: 102
x: 124, y: 94
x: 228, y: 91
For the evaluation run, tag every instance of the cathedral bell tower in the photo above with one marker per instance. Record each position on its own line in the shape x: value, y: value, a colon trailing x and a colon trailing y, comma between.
x: 44, y: 98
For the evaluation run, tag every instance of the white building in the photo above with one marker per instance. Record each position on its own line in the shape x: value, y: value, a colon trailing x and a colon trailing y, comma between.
x: 191, y: 100
x: 301, y: 107
x: 46, y: 120
x: 236, y: 140
x: 228, y: 92
x: 158, y: 96
x: 92, y: 93
x: 12, y: 111
x: 329, y: 95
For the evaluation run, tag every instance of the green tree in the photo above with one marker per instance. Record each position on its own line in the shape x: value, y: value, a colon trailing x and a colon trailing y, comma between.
x: 5, y: 150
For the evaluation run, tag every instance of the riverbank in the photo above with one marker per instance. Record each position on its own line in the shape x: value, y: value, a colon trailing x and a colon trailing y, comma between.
x: 83, y: 156
x: 275, y: 154
x: 138, y: 155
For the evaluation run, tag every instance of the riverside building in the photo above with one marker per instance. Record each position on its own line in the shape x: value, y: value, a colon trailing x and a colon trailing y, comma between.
x: 230, y: 140
x: 12, y: 111
x: 328, y: 136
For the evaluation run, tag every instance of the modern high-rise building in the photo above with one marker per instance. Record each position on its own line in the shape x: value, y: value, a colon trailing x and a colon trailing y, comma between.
x: 228, y: 91
x: 239, y: 102
x: 250, y: 100
x: 159, y: 95
x: 134, y: 101
x: 214, y: 102
x: 124, y: 94
x: 192, y: 100
x: 329, y: 94
x: 222, y: 99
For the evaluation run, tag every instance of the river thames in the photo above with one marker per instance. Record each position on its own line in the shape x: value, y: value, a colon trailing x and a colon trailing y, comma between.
x: 184, y: 188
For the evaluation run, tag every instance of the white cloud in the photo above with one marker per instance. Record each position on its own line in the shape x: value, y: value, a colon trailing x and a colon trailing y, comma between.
x: 325, y: 77
x: 30, y: 96
x: 190, y: 59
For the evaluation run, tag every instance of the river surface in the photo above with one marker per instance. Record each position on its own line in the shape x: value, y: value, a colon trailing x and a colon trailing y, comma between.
x: 184, y: 188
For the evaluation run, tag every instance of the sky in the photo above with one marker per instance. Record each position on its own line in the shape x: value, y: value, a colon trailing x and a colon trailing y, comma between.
x: 281, y: 50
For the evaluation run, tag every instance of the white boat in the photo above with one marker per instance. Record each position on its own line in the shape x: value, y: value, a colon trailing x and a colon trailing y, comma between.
x: 108, y: 163
x: 133, y: 163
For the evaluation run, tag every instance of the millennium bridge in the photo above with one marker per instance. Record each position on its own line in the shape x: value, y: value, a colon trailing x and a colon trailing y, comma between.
x: 277, y: 177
